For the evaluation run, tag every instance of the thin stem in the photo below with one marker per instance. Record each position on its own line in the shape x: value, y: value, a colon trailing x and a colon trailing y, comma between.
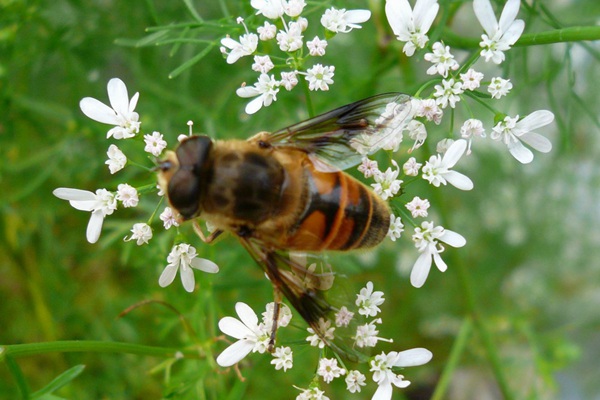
x: 309, y: 104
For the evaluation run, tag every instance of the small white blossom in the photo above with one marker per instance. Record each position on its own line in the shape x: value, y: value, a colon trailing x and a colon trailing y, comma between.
x: 141, y: 233
x: 155, y: 143
x: 267, y: 31
x: 383, y: 375
x: 411, y: 167
x: 325, y: 328
x: 127, y: 195
x: 396, y: 228
x: 183, y: 258
x: 265, y: 91
x: 290, y: 40
x: 168, y: 218
x: 329, y: 369
x: 248, y: 332
x: 366, y: 335
x: 245, y: 47
x: 443, y: 145
x: 417, y: 132
x: 283, y: 358
x: 470, y: 129
x: 386, y: 185
x: 343, y: 21
x: 429, y: 109
x: 368, y: 301
x: 101, y: 204
x: 262, y: 64
x: 499, y: 87
x: 354, y: 380
x: 411, y: 26
x: 293, y: 8
x: 272, y: 9
x: 120, y: 113
x: 438, y: 169
x: 283, y: 319
x: 447, y: 93
x: 368, y: 167
x: 116, y: 159
x: 289, y: 80
x: 319, y: 77
x: 512, y: 131
x: 443, y: 61
x: 418, y: 207
x: 314, y: 393
x: 499, y: 35
x: 427, y: 238
x: 471, y: 79
x: 316, y: 47
x: 343, y: 317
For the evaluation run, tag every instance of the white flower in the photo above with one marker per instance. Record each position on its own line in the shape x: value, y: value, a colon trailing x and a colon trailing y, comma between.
x: 116, y: 159
x: 272, y: 9
x: 183, y: 258
x: 343, y: 317
x: 141, y: 233
x: 245, y: 47
x: 265, y: 91
x: 500, y: 35
x: 329, y: 369
x: 283, y: 319
x: 418, y: 207
x: 382, y: 365
x: 316, y: 47
x: 293, y: 8
x: 127, y: 195
x: 314, y: 393
x: 471, y: 79
x: 368, y: 167
x: 343, y: 21
x: 366, y: 335
x: 470, y: 129
x: 368, y: 302
x: 429, y: 109
x: 155, y: 143
x: 396, y: 227
x: 443, y: 61
x: 267, y: 31
x: 512, y: 132
x: 289, y: 80
x: 427, y: 238
x: 437, y: 170
x: 249, y: 333
x: 262, y: 64
x: 386, y: 184
x: 499, y: 87
x: 120, y: 113
x: 283, y: 358
x: 447, y: 93
x: 411, y: 26
x: 354, y: 380
x: 320, y: 77
x: 101, y: 204
x: 325, y: 328
x: 168, y: 218
x: 290, y: 40
x: 411, y: 167
x: 417, y: 132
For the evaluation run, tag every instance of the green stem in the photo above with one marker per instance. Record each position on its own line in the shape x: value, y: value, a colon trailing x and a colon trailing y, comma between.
x: 571, y: 34
x: 17, y: 374
x: 309, y: 104
x: 92, y: 346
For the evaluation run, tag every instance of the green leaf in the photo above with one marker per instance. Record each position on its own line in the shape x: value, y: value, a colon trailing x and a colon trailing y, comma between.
x: 191, y: 61
x: 60, y: 381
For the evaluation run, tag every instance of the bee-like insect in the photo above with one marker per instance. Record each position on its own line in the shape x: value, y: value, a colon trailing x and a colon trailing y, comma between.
x: 286, y: 192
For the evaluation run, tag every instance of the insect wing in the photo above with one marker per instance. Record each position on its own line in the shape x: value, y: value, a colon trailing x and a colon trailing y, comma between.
x: 341, y: 137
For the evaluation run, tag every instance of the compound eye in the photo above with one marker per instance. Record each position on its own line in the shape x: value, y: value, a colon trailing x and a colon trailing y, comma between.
x: 184, y: 193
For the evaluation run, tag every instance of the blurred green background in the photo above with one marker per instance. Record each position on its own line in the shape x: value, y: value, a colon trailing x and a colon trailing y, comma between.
x: 533, y: 233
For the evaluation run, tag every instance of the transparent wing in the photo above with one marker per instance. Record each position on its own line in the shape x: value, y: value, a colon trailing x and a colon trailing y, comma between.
x: 341, y: 137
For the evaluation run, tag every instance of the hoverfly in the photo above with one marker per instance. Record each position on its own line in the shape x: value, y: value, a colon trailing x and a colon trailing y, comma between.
x: 286, y: 191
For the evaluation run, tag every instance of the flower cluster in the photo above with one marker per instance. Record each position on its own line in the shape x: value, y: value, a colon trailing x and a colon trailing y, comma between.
x: 253, y: 337
x: 286, y: 29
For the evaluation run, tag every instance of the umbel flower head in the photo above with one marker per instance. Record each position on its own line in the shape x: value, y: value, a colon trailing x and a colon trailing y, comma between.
x: 499, y: 35
x: 183, y: 258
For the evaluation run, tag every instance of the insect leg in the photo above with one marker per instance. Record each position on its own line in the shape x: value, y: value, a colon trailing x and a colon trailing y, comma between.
x: 206, y: 239
x: 274, y: 323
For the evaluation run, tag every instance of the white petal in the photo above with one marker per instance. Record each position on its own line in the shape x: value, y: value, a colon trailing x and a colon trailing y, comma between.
x: 98, y: 111
x: 234, y: 328
x: 513, y: 33
x: 74, y: 194
x: 94, y: 226
x: 229, y: 43
x: 454, y: 153
x: 439, y: 262
x: 398, y: 13
x: 453, y: 239
x: 413, y: 357
x: 118, y: 97
x: 520, y: 152
x: 205, y: 265
x: 187, y: 279
x: 247, y: 91
x: 254, y: 105
x: 246, y: 314
x: 133, y: 102
x: 420, y: 270
x: 168, y: 275
x: 383, y: 392
x: 458, y: 180
x: 424, y: 14
x: 357, y: 16
x: 537, y: 141
x: 509, y: 13
x: 234, y: 353
x: 534, y: 120
x: 485, y: 14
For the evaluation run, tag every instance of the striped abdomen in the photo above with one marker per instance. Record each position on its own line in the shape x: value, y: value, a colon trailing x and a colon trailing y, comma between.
x: 341, y: 213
